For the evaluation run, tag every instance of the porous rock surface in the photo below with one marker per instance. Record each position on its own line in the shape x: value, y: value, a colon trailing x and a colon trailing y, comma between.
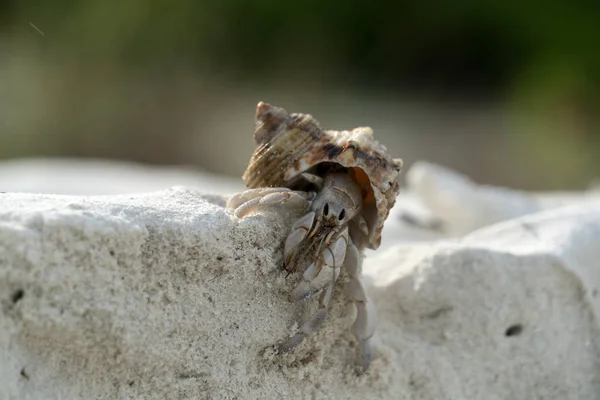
x: 167, y: 295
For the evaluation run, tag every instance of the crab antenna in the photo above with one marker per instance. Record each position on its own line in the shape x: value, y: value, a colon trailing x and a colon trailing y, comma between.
x: 316, y: 227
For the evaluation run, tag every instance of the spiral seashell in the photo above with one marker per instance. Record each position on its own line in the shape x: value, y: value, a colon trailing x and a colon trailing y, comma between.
x: 291, y: 144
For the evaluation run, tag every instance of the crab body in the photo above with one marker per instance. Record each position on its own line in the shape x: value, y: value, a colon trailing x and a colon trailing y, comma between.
x: 345, y: 184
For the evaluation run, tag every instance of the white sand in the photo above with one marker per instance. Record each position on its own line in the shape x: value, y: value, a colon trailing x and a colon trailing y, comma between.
x: 166, y: 295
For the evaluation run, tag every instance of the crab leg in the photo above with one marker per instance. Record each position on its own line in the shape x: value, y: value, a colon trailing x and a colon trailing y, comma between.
x: 361, y: 224
x: 314, y: 179
x: 366, y: 315
x: 246, y: 202
x: 324, y: 271
x: 310, y: 326
x: 320, y: 275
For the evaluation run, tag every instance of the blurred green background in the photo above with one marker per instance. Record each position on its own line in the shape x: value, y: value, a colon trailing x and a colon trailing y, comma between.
x: 505, y: 92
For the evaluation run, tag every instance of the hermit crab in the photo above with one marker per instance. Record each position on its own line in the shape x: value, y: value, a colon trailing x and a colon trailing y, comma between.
x: 346, y: 183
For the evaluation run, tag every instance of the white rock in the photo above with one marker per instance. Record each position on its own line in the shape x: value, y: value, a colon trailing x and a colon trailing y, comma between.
x: 441, y: 203
x: 508, y: 312
x: 101, y: 177
x: 166, y: 295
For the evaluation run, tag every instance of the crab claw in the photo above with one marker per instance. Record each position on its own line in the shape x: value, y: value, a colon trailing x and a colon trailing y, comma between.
x: 242, y: 197
x: 246, y: 202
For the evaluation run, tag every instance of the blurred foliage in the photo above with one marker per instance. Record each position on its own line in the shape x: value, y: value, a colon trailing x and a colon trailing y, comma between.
x: 538, y: 60
x: 459, y: 45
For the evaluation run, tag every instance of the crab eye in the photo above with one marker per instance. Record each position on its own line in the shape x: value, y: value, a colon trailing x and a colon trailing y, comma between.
x: 342, y: 214
x: 326, y: 209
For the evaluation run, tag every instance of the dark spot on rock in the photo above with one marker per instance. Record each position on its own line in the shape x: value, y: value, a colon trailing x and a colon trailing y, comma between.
x: 112, y: 253
x: 17, y: 295
x: 24, y: 374
x: 433, y: 224
x: 130, y: 383
x: 308, y: 359
x: 191, y: 375
x: 529, y: 229
x: 417, y: 382
x: 219, y: 258
x: 439, y: 312
x: 514, y: 330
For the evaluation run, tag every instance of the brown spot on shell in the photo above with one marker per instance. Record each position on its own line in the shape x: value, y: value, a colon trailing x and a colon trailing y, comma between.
x: 331, y: 150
